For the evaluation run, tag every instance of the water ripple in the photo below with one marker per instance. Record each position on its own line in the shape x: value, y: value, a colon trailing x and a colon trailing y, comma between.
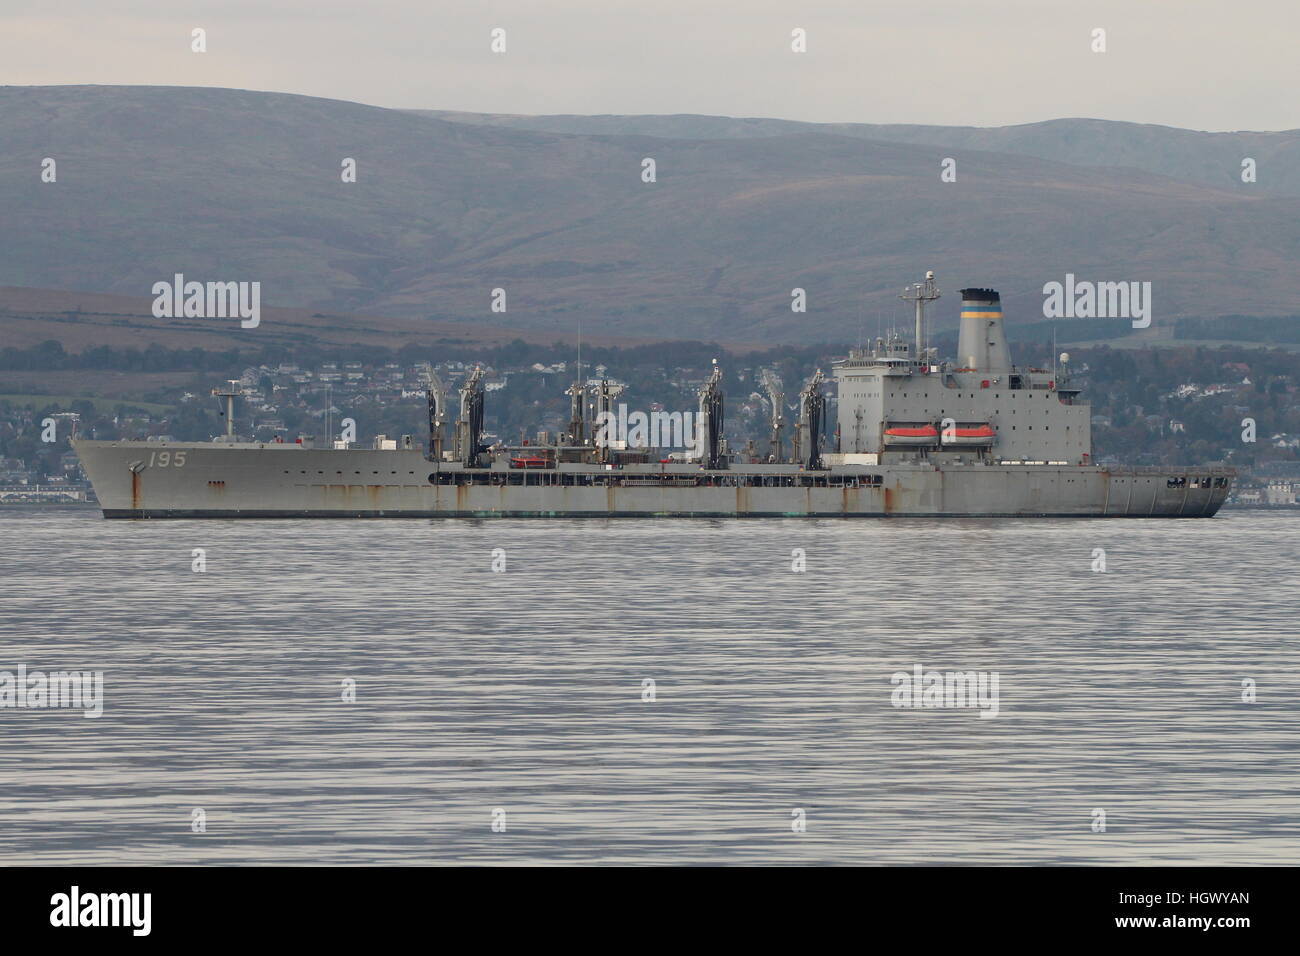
x: 523, y: 691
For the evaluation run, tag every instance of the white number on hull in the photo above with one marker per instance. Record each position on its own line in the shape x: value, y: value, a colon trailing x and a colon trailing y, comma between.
x: 164, y: 459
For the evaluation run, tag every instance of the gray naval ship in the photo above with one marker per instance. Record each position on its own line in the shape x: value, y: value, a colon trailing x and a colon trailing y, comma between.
x: 916, y: 437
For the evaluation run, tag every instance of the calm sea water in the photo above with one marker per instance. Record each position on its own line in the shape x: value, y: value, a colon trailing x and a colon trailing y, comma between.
x: 523, y: 691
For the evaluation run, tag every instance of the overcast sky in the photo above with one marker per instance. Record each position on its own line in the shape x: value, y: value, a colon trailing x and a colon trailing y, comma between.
x: 1201, y: 64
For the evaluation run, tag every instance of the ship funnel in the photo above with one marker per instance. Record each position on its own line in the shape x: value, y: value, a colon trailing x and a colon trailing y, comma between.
x: 983, y: 342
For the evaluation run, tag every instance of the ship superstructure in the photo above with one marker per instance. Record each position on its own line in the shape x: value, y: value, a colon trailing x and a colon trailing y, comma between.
x: 974, y: 436
x: 896, y: 403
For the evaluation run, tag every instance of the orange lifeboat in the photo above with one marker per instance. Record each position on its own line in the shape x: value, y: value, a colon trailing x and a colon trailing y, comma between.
x: 530, y: 461
x: 911, y: 434
x: 970, y: 434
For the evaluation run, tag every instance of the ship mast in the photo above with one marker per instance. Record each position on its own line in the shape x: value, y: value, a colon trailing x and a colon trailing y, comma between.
x: 229, y: 395
x: 605, y: 395
x: 437, y: 396
x: 812, y: 412
x: 710, y: 419
x: 577, y: 393
x: 775, y: 395
x: 469, y: 427
x: 920, y: 294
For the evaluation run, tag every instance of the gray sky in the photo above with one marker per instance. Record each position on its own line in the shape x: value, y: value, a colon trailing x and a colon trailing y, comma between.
x: 1201, y: 64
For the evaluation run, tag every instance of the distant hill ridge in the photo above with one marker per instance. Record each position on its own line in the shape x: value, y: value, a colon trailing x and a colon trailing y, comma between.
x: 239, y: 185
x: 1213, y: 159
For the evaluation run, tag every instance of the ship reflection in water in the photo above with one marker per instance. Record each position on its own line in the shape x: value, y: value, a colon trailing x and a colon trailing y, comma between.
x: 523, y: 690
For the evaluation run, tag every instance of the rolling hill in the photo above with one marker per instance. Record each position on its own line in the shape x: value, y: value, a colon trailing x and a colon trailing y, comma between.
x: 238, y: 185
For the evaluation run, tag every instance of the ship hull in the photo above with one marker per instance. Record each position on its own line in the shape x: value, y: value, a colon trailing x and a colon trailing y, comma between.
x: 214, y: 480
